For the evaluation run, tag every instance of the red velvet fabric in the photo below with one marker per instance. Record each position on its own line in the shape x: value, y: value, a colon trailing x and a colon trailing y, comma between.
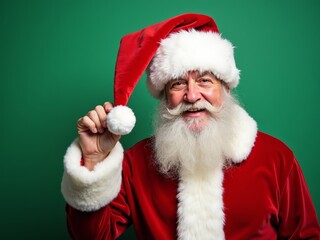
x: 137, y: 49
x: 265, y: 197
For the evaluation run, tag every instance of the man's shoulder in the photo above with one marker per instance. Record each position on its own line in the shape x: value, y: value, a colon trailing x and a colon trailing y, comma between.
x: 268, y: 138
x: 271, y: 143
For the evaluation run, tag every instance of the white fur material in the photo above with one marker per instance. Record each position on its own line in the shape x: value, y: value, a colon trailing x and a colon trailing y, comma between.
x: 90, y: 190
x: 121, y: 120
x: 200, y: 209
x: 192, y: 50
x: 200, y: 193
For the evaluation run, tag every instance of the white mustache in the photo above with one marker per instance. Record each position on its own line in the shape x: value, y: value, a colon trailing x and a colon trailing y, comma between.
x: 183, y: 107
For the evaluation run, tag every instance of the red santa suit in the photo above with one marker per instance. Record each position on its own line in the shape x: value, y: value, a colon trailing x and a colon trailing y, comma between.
x: 262, y: 194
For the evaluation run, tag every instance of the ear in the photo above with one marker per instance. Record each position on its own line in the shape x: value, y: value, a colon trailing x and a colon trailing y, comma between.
x: 228, y: 89
x: 164, y: 92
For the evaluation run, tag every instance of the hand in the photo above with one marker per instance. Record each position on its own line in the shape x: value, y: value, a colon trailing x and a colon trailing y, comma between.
x: 95, y: 140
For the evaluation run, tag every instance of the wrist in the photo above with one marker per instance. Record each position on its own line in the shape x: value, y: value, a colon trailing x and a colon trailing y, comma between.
x: 90, y: 161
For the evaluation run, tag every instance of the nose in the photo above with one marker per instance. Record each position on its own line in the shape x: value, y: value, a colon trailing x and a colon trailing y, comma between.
x: 192, y: 93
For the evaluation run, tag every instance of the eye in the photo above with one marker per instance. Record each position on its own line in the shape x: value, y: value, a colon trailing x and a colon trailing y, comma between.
x: 178, y: 84
x: 205, y: 81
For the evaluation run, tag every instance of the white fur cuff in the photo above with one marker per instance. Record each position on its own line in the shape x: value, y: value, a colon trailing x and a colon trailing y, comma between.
x: 90, y: 190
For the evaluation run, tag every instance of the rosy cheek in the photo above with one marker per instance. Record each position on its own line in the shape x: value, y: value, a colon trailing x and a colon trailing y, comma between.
x: 214, y: 97
x: 174, y: 99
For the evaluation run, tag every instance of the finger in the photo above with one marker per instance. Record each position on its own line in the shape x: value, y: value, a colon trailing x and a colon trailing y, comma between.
x: 102, y: 115
x: 107, y: 106
x: 93, y: 115
x: 86, y: 123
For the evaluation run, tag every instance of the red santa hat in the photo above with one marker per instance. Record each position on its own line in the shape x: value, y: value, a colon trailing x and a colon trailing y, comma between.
x: 168, y: 50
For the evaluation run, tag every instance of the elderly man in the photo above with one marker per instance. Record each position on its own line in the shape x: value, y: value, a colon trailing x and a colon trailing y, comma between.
x: 207, y: 173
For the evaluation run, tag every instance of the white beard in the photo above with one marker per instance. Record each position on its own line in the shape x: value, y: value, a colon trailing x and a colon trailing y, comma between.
x: 181, y: 148
x: 196, y: 155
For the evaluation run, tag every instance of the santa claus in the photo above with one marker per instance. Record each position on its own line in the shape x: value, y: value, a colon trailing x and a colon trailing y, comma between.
x: 207, y: 173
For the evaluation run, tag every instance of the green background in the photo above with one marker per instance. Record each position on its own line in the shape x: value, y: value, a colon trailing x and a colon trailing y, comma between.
x: 57, y: 62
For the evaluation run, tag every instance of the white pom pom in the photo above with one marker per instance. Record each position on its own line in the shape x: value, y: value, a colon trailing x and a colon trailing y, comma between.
x: 121, y: 120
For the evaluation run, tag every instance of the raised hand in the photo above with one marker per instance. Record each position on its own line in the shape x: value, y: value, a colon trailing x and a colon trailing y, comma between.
x: 95, y: 140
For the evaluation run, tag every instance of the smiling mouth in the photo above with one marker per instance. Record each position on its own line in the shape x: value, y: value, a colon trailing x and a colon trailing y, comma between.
x: 194, y: 110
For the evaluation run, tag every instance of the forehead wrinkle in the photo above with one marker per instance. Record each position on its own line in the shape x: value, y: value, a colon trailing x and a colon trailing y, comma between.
x: 194, y: 74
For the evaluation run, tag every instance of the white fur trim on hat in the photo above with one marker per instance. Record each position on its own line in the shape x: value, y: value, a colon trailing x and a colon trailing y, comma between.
x: 192, y: 50
x: 88, y: 190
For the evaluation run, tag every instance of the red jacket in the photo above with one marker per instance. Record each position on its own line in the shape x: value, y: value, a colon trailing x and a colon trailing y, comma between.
x: 264, y: 197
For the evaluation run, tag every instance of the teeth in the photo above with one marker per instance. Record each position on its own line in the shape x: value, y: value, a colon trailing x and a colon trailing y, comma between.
x: 194, y: 109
